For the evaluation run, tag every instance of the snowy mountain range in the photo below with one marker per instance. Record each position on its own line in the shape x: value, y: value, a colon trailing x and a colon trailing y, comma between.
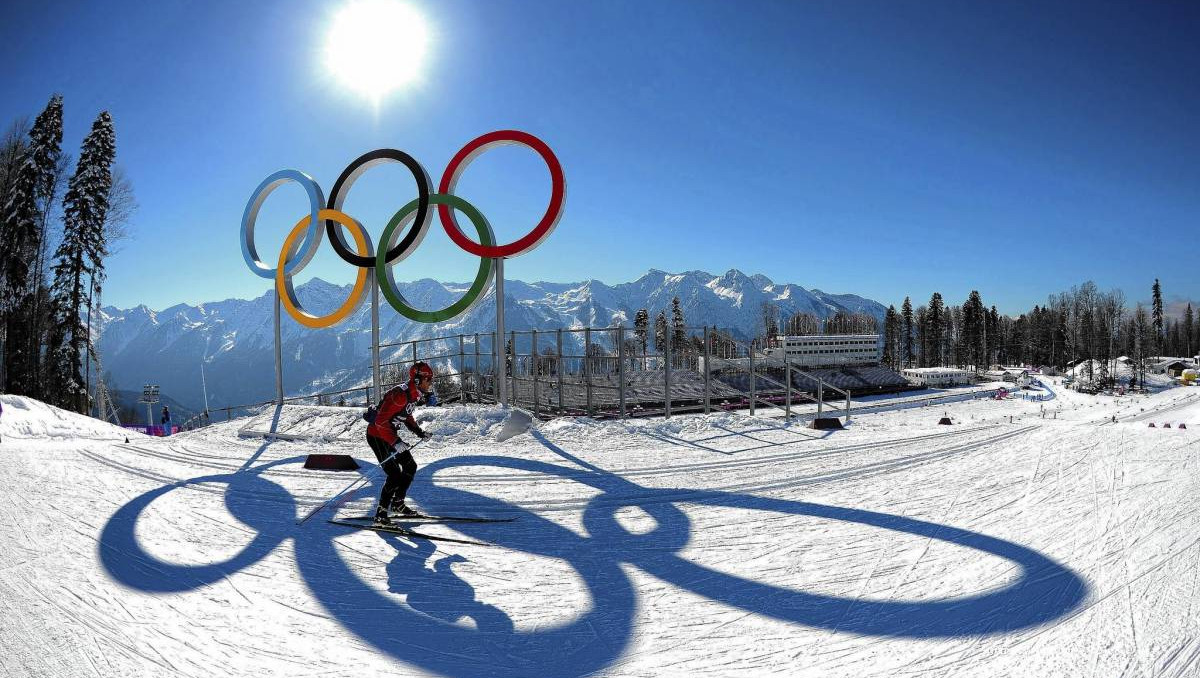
x: 234, y: 339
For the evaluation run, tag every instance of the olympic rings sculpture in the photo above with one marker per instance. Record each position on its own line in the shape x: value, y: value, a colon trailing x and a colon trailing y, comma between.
x: 305, y: 237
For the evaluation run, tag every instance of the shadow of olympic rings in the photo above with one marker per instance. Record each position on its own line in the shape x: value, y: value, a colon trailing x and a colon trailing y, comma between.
x: 423, y: 632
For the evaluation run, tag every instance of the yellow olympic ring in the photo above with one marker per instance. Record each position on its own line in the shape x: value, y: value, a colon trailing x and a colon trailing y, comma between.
x: 283, y: 281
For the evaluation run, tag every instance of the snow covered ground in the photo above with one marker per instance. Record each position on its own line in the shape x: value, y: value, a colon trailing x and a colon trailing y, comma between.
x: 1029, y: 538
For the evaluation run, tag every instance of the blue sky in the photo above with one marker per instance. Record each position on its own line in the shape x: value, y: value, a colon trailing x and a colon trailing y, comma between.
x: 878, y: 148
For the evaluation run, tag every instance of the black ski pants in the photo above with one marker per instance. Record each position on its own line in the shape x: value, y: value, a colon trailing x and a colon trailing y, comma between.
x: 400, y: 469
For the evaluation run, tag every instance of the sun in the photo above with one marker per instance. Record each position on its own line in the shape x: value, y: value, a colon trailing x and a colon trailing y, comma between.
x: 375, y: 47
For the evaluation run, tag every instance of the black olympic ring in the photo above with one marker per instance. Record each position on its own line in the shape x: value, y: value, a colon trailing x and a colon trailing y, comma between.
x: 342, y: 186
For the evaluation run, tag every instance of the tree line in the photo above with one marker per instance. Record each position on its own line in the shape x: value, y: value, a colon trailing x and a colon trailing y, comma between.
x: 1080, y: 324
x: 48, y: 301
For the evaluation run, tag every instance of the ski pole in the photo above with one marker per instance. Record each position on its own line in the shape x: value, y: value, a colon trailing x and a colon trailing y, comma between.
x: 352, y: 485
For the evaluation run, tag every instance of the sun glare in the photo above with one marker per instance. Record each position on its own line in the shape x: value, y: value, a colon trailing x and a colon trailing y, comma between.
x: 376, y: 46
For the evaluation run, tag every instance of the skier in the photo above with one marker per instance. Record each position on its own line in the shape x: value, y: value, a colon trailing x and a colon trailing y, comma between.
x: 393, y: 454
x: 166, y: 421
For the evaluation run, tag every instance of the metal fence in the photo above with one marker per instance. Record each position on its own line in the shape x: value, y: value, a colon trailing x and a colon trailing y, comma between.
x: 611, y: 372
x: 619, y: 372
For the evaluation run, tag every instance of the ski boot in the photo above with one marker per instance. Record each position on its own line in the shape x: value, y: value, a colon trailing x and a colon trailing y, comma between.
x: 381, y: 516
x: 402, y: 510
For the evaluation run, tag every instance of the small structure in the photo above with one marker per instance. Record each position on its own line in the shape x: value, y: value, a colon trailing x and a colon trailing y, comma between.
x: 1013, y: 375
x: 1169, y: 366
x: 937, y: 376
x: 1176, y: 368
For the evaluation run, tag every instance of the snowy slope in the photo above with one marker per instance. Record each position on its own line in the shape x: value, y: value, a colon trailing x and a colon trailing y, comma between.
x: 1030, y: 538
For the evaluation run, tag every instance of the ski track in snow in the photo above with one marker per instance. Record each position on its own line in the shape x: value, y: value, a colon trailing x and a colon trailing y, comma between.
x: 701, y: 545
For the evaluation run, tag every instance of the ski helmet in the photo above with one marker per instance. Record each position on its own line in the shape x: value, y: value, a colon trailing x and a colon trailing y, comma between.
x: 420, y: 371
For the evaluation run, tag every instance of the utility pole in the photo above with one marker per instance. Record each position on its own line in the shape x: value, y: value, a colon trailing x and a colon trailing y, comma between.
x: 204, y: 387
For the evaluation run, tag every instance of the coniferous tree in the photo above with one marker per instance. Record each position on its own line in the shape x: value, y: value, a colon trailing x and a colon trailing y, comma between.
x: 956, y: 344
x: 22, y: 232
x: 1189, y: 326
x: 121, y: 205
x: 974, y: 329
x: 921, y: 323
x: 12, y: 151
x: 906, y: 333
x: 1156, y: 314
x: 678, y: 329
x: 993, y: 337
x: 80, y: 259
x: 937, y: 326
x: 641, y: 328
x: 891, y: 324
x: 660, y: 332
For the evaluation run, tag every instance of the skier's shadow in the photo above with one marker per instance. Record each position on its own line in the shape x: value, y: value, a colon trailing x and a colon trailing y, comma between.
x: 438, y: 592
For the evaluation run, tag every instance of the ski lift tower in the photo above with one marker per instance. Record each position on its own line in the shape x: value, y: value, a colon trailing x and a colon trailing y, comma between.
x: 149, y: 396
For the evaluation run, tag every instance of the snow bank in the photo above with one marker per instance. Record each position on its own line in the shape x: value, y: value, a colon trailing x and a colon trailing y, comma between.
x: 28, y: 418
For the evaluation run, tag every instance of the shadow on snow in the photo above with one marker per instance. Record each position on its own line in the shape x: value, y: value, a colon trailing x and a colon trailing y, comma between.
x: 429, y: 628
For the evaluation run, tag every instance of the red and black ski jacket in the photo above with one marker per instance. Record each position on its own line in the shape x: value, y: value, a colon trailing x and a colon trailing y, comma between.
x: 397, y: 406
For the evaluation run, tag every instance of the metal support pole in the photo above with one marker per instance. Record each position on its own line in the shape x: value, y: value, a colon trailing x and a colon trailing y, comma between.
x: 462, y: 369
x: 534, y: 359
x: 511, y: 359
x: 478, y: 376
x: 559, y: 369
x: 587, y: 367
x: 847, y: 406
x: 752, y: 379
x: 501, y: 371
x: 376, y: 376
x: 203, y: 385
x: 278, y: 355
x: 667, y: 375
x: 787, y: 369
x: 707, y: 373
x: 414, y: 352
x: 820, y: 396
x: 621, y: 370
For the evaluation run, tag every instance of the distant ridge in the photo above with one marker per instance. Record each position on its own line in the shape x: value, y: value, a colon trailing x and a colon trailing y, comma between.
x: 234, y: 338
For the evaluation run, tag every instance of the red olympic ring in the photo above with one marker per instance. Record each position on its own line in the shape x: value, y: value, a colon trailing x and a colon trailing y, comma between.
x: 463, y: 158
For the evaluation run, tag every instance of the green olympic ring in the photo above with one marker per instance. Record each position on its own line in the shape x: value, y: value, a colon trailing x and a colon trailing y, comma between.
x: 383, y: 268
